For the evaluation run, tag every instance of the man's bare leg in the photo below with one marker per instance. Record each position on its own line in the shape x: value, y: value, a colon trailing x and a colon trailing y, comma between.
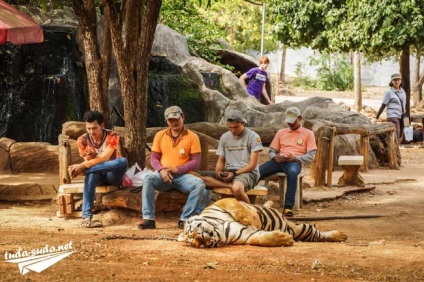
x: 238, y: 191
x: 215, y: 183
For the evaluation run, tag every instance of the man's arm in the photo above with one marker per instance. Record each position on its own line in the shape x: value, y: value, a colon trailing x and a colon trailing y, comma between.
x: 307, y: 158
x: 380, y: 111
x: 265, y: 94
x: 155, y: 161
x: 77, y: 169
x: 253, y: 162
x: 191, y: 165
x: 220, y: 165
x: 272, y: 153
x: 243, y: 80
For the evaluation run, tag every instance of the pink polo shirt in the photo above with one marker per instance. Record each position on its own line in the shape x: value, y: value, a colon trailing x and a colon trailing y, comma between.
x: 297, y: 142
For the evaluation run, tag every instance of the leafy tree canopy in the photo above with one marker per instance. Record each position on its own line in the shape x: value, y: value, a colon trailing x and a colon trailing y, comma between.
x: 202, y: 35
x: 377, y: 28
x: 242, y: 22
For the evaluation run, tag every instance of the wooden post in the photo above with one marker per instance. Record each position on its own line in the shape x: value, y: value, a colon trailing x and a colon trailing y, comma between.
x: 391, y: 150
x: 322, y: 156
x: 330, y: 157
x: 64, y: 161
x: 365, y: 141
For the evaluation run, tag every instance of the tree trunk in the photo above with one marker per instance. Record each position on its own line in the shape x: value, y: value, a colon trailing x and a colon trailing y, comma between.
x: 418, y: 81
x: 106, y: 51
x: 283, y: 64
x: 357, y: 81
x: 404, y: 71
x: 86, y: 15
x: 132, y: 52
x: 145, y: 42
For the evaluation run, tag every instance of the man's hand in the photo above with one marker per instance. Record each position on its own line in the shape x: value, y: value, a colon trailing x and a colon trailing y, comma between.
x: 172, y: 170
x: 166, y: 175
x: 75, y: 170
x: 225, y: 176
x: 284, y: 158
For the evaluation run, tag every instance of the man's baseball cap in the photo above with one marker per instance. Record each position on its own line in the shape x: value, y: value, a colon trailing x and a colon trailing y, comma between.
x: 173, y: 112
x: 291, y: 114
x: 235, y: 116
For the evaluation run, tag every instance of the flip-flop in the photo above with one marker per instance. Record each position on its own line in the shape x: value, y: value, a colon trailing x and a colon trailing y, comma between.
x: 89, y: 223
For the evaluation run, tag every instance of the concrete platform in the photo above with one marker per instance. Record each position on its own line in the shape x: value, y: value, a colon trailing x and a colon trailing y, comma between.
x: 28, y: 186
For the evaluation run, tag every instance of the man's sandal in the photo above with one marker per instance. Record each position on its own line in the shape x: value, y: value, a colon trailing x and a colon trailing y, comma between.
x: 90, y: 223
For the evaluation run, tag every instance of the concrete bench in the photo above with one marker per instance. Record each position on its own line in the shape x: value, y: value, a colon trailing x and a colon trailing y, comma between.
x: 65, y: 198
x: 281, y: 177
x: 252, y: 193
x: 350, y: 166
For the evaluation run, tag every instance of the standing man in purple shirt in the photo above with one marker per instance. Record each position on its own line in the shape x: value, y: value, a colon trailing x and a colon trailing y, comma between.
x: 257, y: 78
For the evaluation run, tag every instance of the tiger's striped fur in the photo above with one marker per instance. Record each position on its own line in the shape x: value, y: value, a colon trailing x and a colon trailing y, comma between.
x: 230, y: 222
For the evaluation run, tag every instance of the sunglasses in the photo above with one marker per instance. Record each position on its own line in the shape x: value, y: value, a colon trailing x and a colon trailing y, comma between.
x: 397, y: 79
x: 233, y: 120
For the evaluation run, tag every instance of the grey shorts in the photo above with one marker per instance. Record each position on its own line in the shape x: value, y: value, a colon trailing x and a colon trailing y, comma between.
x: 248, y: 180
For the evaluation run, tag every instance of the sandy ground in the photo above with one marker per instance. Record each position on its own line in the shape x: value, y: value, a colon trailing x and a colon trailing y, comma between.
x: 388, y: 248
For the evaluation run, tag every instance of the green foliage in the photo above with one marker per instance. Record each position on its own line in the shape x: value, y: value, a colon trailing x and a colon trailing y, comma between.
x: 302, y: 80
x: 377, y: 28
x: 331, y: 75
x: 201, y: 34
x: 300, y: 22
x: 242, y: 22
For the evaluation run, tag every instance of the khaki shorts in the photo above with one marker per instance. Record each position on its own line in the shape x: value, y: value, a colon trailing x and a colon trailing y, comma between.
x: 248, y: 180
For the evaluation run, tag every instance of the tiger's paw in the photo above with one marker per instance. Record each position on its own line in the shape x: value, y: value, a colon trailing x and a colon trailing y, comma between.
x: 274, y: 238
x: 335, y: 236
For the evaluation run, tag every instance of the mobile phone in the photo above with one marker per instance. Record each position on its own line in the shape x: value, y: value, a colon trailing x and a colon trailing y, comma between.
x: 224, y: 174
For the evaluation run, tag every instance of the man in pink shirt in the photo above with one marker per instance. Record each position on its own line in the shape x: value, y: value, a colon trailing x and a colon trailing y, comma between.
x: 289, y: 150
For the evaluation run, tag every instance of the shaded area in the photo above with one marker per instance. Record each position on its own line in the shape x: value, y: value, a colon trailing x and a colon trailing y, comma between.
x: 167, y: 87
x: 42, y: 86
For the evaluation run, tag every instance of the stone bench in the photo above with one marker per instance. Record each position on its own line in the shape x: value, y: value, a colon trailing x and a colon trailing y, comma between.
x: 350, y: 166
x: 281, y: 177
x: 65, y: 198
x: 252, y: 193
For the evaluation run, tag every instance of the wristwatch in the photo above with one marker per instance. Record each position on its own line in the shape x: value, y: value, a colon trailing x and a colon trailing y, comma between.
x: 235, y: 173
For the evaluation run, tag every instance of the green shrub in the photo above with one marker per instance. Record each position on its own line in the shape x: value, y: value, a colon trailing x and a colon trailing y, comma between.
x: 334, y: 72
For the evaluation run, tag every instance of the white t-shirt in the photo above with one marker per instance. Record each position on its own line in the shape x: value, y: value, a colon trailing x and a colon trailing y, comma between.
x: 237, y: 150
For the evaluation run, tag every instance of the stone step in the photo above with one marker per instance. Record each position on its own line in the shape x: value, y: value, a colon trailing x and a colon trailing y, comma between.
x: 351, y: 160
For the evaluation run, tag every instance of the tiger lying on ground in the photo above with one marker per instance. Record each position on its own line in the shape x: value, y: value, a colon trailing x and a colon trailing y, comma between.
x: 230, y: 222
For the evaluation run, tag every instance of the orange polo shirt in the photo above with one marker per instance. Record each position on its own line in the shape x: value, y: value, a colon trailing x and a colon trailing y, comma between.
x: 176, y: 153
x: 297, y: 142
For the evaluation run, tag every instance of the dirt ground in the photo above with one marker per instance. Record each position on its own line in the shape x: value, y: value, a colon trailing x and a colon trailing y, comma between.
x: 388, y: 248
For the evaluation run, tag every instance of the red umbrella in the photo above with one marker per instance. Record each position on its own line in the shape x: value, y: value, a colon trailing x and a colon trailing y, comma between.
x: 17, y: 27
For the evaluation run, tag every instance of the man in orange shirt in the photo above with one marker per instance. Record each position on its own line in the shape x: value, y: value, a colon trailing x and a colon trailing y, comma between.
x: 289, y: 150
x: 175, y: 154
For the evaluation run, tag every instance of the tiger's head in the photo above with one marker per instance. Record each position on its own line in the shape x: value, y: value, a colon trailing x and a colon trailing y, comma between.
x: 200, y: 232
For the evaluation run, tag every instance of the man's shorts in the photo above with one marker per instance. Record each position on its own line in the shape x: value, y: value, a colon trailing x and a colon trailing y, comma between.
x: 249, y: 180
